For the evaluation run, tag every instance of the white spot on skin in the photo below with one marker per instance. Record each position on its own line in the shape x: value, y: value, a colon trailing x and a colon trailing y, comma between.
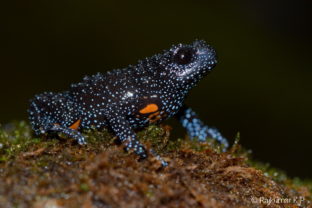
x: 127, y: 95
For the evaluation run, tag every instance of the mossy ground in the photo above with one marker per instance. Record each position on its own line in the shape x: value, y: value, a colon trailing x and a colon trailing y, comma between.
x: 49, y: 172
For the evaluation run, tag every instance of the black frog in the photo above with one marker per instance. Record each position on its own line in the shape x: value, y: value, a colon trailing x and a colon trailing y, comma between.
x: 122, y: 100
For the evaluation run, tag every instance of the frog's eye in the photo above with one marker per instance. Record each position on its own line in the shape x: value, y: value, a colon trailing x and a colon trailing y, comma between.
x: 183, y: 56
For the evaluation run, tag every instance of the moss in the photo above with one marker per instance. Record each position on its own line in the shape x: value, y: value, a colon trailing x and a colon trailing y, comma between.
x: 84, y: 187
x: 58, y: 172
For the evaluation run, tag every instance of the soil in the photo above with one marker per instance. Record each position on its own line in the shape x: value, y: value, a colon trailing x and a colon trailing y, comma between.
x: 57, y: 172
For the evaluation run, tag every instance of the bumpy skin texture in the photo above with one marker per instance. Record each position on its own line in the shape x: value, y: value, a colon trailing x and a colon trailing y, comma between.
x: 129, y: 98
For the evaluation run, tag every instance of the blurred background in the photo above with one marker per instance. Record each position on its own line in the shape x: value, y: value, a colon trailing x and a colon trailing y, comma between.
x: 261, y: 86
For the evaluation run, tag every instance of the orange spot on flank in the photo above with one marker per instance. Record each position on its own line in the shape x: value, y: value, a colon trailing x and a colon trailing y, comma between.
x: 75, y: 125
x: 150, y: 108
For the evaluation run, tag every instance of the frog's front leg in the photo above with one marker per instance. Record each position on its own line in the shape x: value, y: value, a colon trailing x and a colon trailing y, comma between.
x: 196, y: 128
x: 126, y: 135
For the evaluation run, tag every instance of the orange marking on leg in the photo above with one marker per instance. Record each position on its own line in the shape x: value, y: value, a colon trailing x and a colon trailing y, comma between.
x: 154, y: 117
x: 75, y: 125
x: 150, y: 108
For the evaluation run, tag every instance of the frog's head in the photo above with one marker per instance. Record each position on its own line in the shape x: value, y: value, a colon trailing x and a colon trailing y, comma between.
x: 186, y: 64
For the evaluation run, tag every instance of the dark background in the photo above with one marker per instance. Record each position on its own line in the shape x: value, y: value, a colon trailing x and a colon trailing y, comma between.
x: 261, y: 87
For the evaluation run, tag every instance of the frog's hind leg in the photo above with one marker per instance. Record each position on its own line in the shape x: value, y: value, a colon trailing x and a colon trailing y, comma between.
x: 55, y: 113
x: 69, y: 132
